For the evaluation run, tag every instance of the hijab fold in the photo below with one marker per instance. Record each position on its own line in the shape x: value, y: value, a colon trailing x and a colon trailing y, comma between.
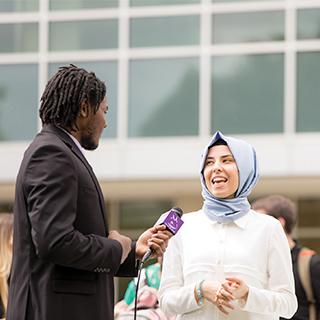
x: 225, y: 210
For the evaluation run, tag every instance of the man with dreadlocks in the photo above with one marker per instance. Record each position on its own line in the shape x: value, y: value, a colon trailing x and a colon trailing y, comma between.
x: 64, y: 256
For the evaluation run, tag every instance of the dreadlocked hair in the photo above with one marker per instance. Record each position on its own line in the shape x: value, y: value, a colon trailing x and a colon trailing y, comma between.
x: 64, y: 93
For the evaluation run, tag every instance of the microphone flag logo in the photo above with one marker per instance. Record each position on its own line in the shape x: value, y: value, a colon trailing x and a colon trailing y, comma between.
x: 173, y: 222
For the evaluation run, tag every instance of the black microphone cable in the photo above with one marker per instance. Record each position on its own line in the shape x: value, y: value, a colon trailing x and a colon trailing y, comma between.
x: 176, y: 226
x: 141, y: 264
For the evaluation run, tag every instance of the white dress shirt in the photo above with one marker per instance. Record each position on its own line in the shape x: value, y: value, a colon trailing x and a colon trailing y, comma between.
x: 253, y: 248
x: 77, y: 143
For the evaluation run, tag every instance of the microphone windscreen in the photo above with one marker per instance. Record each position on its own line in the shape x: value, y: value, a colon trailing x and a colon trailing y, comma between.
x: 178, y: 211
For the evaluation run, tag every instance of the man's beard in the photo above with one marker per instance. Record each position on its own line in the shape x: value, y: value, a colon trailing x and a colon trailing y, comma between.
x: 88, y: 143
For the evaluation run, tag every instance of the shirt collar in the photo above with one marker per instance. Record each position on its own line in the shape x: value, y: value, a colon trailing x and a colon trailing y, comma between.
x: 241, y: 222
x: 76, y: 142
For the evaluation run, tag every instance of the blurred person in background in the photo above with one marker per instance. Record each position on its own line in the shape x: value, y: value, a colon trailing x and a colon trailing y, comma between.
x: 285, y: 210
x: 150, y: 277
x: 228, y: 261
x: 6, y: 227
x: 64, y: 256
x: 148, y: 302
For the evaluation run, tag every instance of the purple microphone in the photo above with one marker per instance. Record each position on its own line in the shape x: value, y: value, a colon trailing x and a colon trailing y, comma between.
x: 173, y: 222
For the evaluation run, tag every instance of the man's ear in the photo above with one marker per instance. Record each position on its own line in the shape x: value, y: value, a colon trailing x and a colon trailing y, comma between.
x: 84, y: 109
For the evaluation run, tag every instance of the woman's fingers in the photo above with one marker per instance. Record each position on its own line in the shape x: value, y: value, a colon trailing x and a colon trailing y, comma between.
x: 223, y: 305
x: 238, y: 287
x: 223, y: 310
x: 226, y: 292
x: 234, y: 281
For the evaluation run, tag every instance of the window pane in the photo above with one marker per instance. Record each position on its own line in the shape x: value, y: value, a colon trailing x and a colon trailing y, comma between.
x: 81, y: 4
x: 19, y: 37
x: 164, y: 31
x: 105, y: 71
x: 18, y: 5
x: 308, y: 24
x: 160, y: 2
x: 312, y: 243
x: 309, y: 217
x: 308, y: 213
x: 308, y: 93
x: 83, y: 35
x: 161, y: 93
x: 247, y: 93
x: 248, y: 27
x: 18, y: 101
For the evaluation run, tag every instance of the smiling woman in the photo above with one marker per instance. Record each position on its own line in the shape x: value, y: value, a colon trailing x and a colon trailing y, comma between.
x: 228, y: 258
x: 221, y: 171
x: 232, y: 165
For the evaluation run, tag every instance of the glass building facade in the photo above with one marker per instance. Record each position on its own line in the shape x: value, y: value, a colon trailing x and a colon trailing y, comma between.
x: 243, y: 67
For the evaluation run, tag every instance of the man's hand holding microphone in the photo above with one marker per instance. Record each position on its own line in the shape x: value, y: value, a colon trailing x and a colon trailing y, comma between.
x: 154, y: 241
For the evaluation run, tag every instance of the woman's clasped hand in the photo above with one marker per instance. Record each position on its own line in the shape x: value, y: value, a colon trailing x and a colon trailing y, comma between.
x: 222, y: 295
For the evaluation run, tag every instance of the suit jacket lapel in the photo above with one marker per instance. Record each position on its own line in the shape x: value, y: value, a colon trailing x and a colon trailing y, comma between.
x: 68, y: 141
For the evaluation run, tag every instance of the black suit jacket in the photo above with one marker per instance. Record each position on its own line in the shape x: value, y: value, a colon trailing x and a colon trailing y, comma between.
x: 63, y: 263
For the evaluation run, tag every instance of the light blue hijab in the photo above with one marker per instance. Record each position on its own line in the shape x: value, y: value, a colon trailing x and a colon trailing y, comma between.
x: 224, y: 210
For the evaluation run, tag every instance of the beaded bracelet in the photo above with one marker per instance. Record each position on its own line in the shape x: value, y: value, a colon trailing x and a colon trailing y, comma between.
x: 199, y: 293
